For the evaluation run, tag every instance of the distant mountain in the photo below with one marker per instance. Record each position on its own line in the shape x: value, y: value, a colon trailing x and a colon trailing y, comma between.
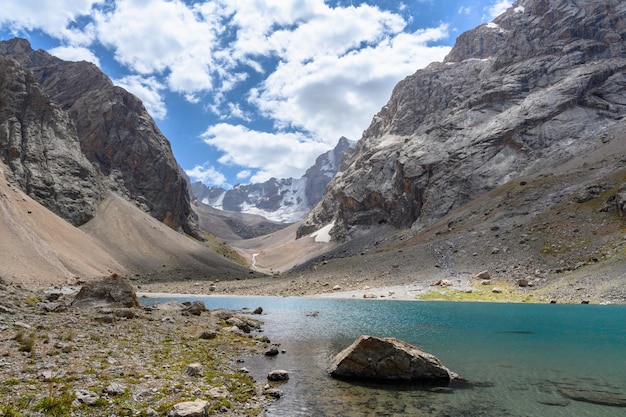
x: 68, y: 135
x: 541, y: 84
x: 284, y: 200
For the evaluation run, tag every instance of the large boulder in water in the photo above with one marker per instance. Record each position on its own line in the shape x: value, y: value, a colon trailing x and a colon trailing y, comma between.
x: 389, y: 359
x: 111, y: 291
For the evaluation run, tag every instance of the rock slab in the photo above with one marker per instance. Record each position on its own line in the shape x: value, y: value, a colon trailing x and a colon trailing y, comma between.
x: 389, y: 359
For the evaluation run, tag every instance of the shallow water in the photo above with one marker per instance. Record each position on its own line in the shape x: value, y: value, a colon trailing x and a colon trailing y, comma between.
x: 521, y: 359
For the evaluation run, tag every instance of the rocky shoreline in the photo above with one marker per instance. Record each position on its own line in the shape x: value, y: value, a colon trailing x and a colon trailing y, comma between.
x: 59, y: 360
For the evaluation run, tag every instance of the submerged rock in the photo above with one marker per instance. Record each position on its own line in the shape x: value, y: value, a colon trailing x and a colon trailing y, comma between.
x: 389, y: 359
x: 595, y: 397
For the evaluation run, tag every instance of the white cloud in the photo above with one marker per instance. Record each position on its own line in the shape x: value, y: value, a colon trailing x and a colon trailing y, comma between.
x: 464, y: 10
x: 334, y: 96
x: 279, y: 155
x: 245, y: 174
x: 162, y: 37
x: 148, y: 89
x: 498, y: 8
x: 206, y: 174
x: 55, y: 18
x: 75, y: 53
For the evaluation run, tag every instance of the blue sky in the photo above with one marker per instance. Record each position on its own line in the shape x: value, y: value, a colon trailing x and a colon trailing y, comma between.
x: 246, y: 90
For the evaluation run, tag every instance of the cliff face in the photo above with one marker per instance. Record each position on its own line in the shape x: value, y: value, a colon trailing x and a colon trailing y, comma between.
x: 286, y: 199
x: 125, y: 150
x: 535, y: 87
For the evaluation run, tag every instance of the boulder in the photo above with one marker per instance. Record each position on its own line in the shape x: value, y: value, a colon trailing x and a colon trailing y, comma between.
x: 197, y: 408
x: 111, y: 291
x: 278, y: 375
x: 389, y: 359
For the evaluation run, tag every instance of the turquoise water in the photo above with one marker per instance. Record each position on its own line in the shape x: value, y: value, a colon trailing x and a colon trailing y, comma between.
x: 521, y: 359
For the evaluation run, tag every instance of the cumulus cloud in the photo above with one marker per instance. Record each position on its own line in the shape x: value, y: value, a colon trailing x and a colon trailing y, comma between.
x: 206, y: 174
x: 75, y: 53
x: 279, y: 155
x: 182, y: 49
x: 56, y: 18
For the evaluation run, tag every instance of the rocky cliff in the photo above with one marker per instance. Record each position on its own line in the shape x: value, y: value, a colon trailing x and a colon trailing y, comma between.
x: 535, y: 87
x: 69, y: 134
x: 286, y: 199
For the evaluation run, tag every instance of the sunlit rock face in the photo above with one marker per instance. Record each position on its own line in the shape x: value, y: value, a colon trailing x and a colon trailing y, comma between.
x: 106, y: 131
x: 540, y: 84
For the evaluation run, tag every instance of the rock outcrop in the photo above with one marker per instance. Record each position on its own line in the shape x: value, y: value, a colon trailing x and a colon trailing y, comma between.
x: 389, y: 359
x: 107, y: 292
x: 286, y: 199
x: 538, y: 85
x: 74, y: 102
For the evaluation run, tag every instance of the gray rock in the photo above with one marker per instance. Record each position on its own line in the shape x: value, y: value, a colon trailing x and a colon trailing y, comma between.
x: 115, y: 389
x: 107, y: 292
x: 194, y: 308
x: 84, y: 396
x: 389, y: 359
x: 197, y: 408
x: 279, y: 375
x: 194, y: 369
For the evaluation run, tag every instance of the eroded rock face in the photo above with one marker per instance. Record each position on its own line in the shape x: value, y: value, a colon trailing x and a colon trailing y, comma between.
x: 540, y: 84
x: 389, y: 359
x: 40, y: 146
x: 116, y: 135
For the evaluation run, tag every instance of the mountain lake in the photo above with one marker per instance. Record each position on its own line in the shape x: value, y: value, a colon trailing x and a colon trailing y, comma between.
x: 519, y: 359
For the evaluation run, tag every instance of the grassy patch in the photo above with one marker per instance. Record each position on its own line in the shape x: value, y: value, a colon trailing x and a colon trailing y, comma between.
x: 223, y: 249
x: 482, y: 293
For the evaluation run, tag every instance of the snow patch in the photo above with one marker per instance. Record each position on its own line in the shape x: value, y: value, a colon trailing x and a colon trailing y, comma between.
x: 519, y: 9
x: 323, y: 235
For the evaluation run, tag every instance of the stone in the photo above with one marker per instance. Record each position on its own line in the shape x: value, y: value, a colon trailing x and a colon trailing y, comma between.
x: 273, y: 351
x: 279, y: 375
x: 496, y: 290
x: 208, y: 334
x: 197, y: 408
x: 522, y: 282
x: 369, y: 295
x: 258, y: 310
x: 194, y: 308
x: 484, y: 275
x: 84, y: 396
x: 389, y: 359
x: 194, y: 369
x: 115, y: 389
x: 106, y: 292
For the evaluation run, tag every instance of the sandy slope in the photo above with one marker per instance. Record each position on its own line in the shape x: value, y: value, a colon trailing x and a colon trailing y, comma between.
x: 281, y: 251
x: 39, y: 248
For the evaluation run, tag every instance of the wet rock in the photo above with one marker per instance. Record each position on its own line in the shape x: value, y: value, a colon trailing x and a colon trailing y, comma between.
x: 279, y: 375
x: 258, y: 310
x: 272, y: 352
x: 595, y: 397
x: 389, y: 359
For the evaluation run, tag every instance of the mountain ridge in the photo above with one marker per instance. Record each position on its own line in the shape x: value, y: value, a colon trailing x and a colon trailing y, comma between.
x: 547, y: 84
